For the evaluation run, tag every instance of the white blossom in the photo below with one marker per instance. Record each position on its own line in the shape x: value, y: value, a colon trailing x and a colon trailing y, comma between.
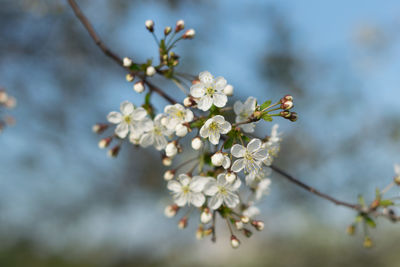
x: 197, y: 143
x: 156, y: 136
x: 138, y: 87
x: 214, y: 127
x: 181, y: 130
x: 222, y: 192
x: 130, y: 120
x: 221, y: 159
x: 127, y: 62
x: 171, y: 149
x: 228, y: 90
x: 188, y: 190
x: 256, y: 177
x: 230, y: 177
x: 261, y: 189
x: 150, y: 71
x: 251, y: 211
x: 250, y: 157
x: 243, y: 111
x: 209, y: 91
x: 189, y: 34
x: 176, y: 115
x: 272, y: 145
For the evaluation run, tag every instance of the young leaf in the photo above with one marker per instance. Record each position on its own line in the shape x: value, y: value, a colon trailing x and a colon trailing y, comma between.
x: 229, y: 143
x: 265, y: 104
x: 386, y: 202
x: 266, y: 117
x: 370, y: 222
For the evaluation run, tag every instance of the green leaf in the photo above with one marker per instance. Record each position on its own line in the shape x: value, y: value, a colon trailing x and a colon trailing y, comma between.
x: 229, y: 142
x: 386, y: 202
x: 359, y: 218
x: 214, y: 110
x: 371, y: 223
x: 265, y: 104
x: 245, y: 138
x: 197, y: 124
x: 266, y: 117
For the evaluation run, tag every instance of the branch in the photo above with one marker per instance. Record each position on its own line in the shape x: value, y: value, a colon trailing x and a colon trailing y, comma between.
x: 108, y: 52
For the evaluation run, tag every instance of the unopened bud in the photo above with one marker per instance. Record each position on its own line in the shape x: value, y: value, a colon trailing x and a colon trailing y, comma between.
x: 293, y: 117
x: 166, y: 161
x: 239, y: 225
x: 169, y: 175
x: 149, y: 25
x: 183, y: 223
x: 181, y: 130
x: 217, y: 159
x: 189, y: 34
x: 103, y: 143
x: 150, y: 71
x: 113, y: 152
x: 245, y: 219
x: 259, y: 225
x: 287, y: 105
x: 3, y: 97
x: 138, y: 87
x: 99, y: 128
x: 171, y: 210
x: 199, y: 232
x: 247, y: 232
x: 230, y: 177
x: 127, y: 62
x: 189, y: 101
x: 235, y: 243
x: 206, y: 216
x: 197, y: 143
x: 171, y: 149
x: 397, y: 179
x: 167, y: 30
x: 180, y: 25
x: 129, y: 77
x: 228, y: 90
x: 286, y: 114
x: 367, y: 242
x: 351, y: 229
x: 288, y: 98
x: 375, y: 204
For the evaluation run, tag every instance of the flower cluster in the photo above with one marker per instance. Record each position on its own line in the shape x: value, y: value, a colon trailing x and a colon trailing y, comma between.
x: 7, y: 102
x: 230, y: 162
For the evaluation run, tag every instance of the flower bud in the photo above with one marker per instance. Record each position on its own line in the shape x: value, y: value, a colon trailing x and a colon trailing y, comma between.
x: 129, y: 77
x: 167, y: 30
x: 3, y: 96
x: 171, y: 149
x: 127, y: 62
x: 287, y: 105
x: 397, y: 179
x: 293, y: 117
x: 228, y: 90
x: 286, y: 114
x: 259, y: 225
x: 189, y: 101
x: 239, y: 225
x: 180, y: 25
x: 245, y: 219
x: 138, y: 87
x: 103, y: 143
x: 247, y: 233
x: 183, y: 223
x: 217, y: 159
x: 189, y: 34
x: 149, y: 25
x: 181, y: 130
x: 235, y: 243
x: 288, y: 98
x: 199, y: 232
x: 206, y: 216
x: 169, y: 175
x: 367, y: 242
x: 197, y: 143
x: 171, y: 210
x: 150, y: 71
x: 166, y: 161
x: 230, y: 177
x: 99, y: 128
x: 113, y: 152
x: 351, y: 229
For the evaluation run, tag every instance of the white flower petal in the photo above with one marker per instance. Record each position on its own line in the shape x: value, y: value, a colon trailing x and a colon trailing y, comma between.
x: 220, y: 99
x: 220, y: 83
x: 204, y: 131
x: 225, y: 127
x: 231, y: 200
x: 261, y: 154
x: 147, y: 140
x: 206, y: 77
x: 238, y: 165
x: 197, y: 199
x: 236, y: 185
x: 238, y: 107
x: 122, y: 130
x: 250, y: 104
x: 126, y: 108
x: 174, y: 186
x: 189, y: 115
x: 114, y: 117
x: 160, y: 142
x: 254, y: 145
x: 197, y: 90
x: 205, y: 103
x: 198, y: 183
x: 397, y: 169
x: 139, y: 114
x: 215, y: 202
x: 226, y: 163
x: 214, y: 138
x: 211, y: 188
x: 247, y: 128
x: 238, y: 151
x: 181, y: 199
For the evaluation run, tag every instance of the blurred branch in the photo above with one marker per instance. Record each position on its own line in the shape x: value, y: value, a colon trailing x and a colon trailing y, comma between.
x: 108, y: 52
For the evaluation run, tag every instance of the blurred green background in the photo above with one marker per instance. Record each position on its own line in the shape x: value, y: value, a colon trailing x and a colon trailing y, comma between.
x: 63, y: 202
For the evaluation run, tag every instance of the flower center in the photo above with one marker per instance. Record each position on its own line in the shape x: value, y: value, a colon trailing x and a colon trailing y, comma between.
x: 210, y: 91
x: 222, y: 190
x: 127, y: 119
x: 248, y: 156
x: 179, y: 114
x: 185, y: 189
x: 213, y: 126
x: 157, y: 131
